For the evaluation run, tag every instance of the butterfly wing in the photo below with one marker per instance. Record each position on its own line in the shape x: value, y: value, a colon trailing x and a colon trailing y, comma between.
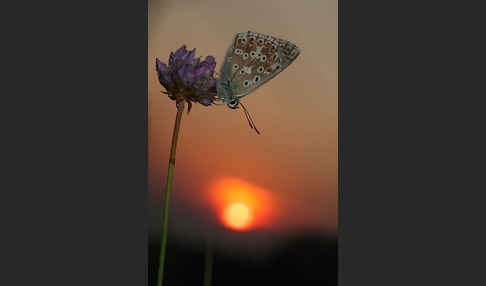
x: 253, y: 59
x: 226, y: 70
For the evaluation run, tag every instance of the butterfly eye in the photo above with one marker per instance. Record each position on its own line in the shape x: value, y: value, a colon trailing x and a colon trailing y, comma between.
x: 260, y: 69
x: 258, y: 56
x: 246, y: 83
x: 277, y: 67
x: 235, y: 66
x: 263, y: 58
x: 232, y: 104
x: 242, y: 71
x: 238, y: 52
x: 245, y: 56
x: 253, y: 54
x: 256, y: 79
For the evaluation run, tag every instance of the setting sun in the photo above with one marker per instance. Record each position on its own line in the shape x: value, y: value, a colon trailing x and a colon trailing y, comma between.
x: 241, y: 206
x: 237, y: 216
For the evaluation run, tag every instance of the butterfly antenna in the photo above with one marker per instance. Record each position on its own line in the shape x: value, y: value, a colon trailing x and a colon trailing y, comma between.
x: 248, y: 117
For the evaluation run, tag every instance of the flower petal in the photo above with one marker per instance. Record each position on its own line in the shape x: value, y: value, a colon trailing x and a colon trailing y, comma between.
x: 181, y: 71
x: 161, y: 67
x: 181, y: 52
x: 172, y: 59
x: 162, y: 72
x: 195, y: 62
x: 188, y: 57
x: 211, y: 83
x: 206, y: 101
x: 202, y: 69
x: 189, y: 74
x: 211, y: 61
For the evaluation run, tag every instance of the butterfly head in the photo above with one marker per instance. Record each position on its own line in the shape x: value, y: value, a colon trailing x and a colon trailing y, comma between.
x: 225, y: 94
x: 233, y: 104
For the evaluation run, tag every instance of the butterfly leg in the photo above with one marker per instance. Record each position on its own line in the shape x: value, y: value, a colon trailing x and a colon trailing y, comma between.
x: 189, y: 106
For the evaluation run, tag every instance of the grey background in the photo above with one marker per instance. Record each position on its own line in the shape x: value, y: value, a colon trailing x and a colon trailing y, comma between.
x: 73, y: 195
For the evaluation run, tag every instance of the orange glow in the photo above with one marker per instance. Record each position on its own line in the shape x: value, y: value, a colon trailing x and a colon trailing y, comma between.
x: 241, y: 206
x: 237, y: 216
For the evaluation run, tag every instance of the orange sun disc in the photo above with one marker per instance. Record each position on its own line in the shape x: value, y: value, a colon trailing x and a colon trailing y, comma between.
x: 237, y: 216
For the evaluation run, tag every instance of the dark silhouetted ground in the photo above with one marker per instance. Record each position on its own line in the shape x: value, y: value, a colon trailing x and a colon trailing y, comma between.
x: 305, y: 261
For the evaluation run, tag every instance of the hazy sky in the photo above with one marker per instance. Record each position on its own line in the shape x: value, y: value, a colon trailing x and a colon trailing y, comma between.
x: 294, y: 161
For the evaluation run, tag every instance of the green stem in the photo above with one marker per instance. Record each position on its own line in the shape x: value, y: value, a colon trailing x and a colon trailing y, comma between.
x: 170, y: 174
x: 208, y: 263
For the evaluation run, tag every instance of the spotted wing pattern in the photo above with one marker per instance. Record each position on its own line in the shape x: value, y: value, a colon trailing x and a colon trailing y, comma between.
x: 253, y: 59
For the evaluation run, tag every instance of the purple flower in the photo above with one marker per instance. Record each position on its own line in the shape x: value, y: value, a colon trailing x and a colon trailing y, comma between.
x: 205, y: 101
x: 188, y: 77
x: 163, y: 72
x: 188, y: 74
x: 211, y: 62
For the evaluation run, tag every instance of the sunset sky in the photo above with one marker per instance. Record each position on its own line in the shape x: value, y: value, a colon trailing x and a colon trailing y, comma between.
x: 287, y: 177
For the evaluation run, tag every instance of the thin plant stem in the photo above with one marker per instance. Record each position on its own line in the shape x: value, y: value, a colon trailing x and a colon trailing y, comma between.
x: 208, y: 263
x: 170, y: 174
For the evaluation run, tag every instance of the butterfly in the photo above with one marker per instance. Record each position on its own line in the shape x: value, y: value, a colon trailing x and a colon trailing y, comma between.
x: 252, y: 60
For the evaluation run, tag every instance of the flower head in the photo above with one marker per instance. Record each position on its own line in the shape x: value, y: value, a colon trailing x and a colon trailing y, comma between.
x: 187, y: 77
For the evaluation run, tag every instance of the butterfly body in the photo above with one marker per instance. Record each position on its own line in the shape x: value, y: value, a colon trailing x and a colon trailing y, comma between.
x: 252, y: 60
x: 224, y: 91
